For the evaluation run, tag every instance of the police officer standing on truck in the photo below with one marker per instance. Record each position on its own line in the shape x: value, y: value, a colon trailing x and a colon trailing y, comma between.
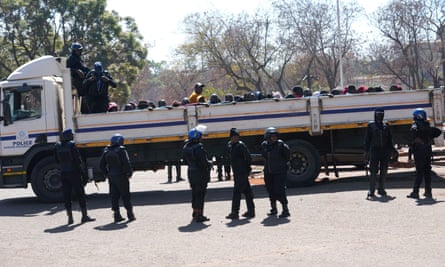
x: 78, y: 71
x: 378, y: 148
x: 199, y: 167
x: 116, y: 166
x: 240, y: 159
x: 67, y: 154
x: 422, y: 140
x: 276, y: 156
x: 96, y: 83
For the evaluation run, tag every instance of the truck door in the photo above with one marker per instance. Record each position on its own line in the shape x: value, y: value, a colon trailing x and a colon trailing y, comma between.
x: 21, y: 127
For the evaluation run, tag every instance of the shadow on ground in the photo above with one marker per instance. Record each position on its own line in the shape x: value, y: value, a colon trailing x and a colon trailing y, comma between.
x: 29, y: 206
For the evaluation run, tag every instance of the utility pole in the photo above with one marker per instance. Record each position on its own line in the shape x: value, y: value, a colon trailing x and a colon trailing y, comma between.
x: 340, y: 45
x: 442, y: 44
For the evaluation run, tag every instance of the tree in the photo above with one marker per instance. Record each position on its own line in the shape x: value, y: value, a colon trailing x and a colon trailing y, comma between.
x: 313, y: 30
x: 29, y: 29
x: 435, y: 13
x: 246, y: 47
x: 414, y: 47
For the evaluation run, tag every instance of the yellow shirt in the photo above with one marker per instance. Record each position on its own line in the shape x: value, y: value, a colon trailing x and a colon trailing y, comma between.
x: 193, y: 98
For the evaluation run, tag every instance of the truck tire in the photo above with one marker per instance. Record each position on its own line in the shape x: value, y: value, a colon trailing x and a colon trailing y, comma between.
x: 305, y: 164
x: 45, y: 180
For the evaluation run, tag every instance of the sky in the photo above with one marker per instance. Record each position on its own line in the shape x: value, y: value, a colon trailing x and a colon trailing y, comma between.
x: 160, y: 23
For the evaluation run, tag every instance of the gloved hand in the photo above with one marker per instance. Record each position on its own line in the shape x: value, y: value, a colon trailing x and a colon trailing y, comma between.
x: 80, y: 74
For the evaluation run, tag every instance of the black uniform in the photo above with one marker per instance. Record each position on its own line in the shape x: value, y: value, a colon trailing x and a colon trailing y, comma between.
x: 198, y: 175
x: 378, y: 145
x: 223, y: 165
x: 422, y: 140
x: 78, y: 71
x: 116, y: 165
x: 96, y: 86
x: 240, y: 160
x: 177, y: 165
x: 67, y: 154
x: 276, y: 157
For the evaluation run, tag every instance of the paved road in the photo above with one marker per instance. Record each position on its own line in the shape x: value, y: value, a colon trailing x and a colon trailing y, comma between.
x: 331, y: 225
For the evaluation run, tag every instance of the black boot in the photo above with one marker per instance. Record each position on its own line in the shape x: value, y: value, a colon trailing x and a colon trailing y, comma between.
x: 382, y: 192
x: 118, y: 217
x: 285, y: 213
x: 414, y: 194
x: 70, y: 216
x: 273, y: 210
x: 200, y: 217
x: 250, y: 208
x: 233, y: 216
x: 85, y: 217
x: 372, y: 181
x: 130, y: 215
x: 249, y: 214
x: 428, y: 194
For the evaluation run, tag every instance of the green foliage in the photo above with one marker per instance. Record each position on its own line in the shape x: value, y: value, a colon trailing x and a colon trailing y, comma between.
x: 30, y: 29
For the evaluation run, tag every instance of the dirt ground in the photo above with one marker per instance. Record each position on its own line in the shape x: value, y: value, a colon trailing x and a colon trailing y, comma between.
x: 332, y: 224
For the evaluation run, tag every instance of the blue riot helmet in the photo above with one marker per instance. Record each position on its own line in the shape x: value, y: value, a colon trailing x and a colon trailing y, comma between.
x: 419, y: 114
x: 68, y: 134
x: 269, y: 132
x: 76, y: 46
x: 117, y: 139
x: 98, y: 67
x: 194, y: 134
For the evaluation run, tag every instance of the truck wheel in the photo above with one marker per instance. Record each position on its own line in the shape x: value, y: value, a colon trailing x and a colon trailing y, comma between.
x: 45, y: 180
x: 304, y: 164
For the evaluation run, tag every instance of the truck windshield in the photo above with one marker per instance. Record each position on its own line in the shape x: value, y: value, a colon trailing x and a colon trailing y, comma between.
x: 23, y: 105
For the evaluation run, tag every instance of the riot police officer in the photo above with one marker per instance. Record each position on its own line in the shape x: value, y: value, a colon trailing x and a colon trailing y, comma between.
x: 96, y: 84
x: 378, y: 147
x: 78, y: 71
x: 116, y: 166
x: 240, y: 159
x: 77, y: 67
x: 276, y: 156
x: 422, y: 140
x: 198, y: 171
x: 68, y: 156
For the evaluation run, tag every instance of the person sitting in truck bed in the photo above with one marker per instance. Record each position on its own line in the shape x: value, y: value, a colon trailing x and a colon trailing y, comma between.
x: 129, y: 106
x: 96, y: 83
x: 214, y: 99
x: 197, y: 94
x: 395, y: 87
x: 112, y: 107
x: 297, y: 92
